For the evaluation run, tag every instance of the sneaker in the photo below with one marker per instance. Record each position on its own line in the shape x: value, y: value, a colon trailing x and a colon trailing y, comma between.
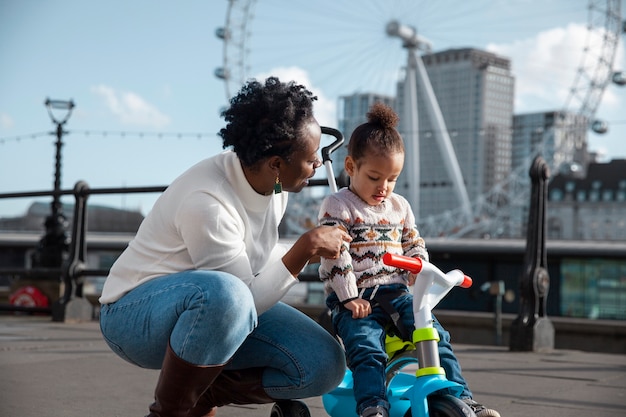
x: 479, y: 409
x: 377, y: 411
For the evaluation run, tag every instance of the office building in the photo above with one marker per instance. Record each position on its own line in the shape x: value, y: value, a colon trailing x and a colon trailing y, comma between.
x: 475, y: 91
x: 352, y: 111
x: 559, y: 137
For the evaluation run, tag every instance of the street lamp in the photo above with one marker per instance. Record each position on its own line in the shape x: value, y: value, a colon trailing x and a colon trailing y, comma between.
x: 54, y: 245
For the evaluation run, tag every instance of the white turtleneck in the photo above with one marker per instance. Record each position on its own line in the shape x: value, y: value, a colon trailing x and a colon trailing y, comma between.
x: 209, y: 218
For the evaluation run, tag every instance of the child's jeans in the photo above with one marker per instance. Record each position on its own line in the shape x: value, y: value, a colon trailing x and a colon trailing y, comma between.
x: 364, y: 341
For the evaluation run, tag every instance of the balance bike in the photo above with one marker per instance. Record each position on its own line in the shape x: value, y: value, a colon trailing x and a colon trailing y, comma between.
x: 428, y: 392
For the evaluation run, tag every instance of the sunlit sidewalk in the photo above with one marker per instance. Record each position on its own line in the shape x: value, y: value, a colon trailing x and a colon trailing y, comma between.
x: 50, y: 369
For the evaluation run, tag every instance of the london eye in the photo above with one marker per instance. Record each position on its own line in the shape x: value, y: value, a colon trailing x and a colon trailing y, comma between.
x: 341, y: 48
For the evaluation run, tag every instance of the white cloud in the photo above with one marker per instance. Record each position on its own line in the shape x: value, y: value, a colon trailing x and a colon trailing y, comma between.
x: 325, y: 108
x: 544, y: 66
x: 6, y: 122
x: 130, y: 108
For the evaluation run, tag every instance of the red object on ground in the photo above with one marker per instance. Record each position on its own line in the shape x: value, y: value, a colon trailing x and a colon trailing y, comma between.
x: 28, y: 296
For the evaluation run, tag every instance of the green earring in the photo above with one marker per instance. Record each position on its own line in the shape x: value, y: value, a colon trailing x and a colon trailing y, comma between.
x: 278, y: 186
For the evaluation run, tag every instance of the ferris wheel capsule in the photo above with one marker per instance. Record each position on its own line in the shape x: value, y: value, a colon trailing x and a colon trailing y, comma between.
x: 222, y: 73
x: 619, y: 78
x: 222, y: 33
x: 600, y: 126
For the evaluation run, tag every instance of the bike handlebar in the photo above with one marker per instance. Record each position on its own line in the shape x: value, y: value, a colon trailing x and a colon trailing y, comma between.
x: 415, y: 266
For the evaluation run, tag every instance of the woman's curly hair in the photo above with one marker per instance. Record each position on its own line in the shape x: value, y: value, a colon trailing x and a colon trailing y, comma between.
x: 266, y: 120
x: 378, y: 135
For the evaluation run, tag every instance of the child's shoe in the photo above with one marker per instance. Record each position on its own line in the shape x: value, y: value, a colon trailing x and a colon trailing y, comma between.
x: 377, y: 411
x: 479, y: 409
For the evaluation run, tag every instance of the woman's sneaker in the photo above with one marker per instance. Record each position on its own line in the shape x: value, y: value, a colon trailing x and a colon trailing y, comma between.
x: 377, y: 411
x: 479, y: 409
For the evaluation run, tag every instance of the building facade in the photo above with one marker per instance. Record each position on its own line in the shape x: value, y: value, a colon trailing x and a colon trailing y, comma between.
x: 560, y: 138
x: 592, y: 207
x: 352, y: 111
x: 475, y: 92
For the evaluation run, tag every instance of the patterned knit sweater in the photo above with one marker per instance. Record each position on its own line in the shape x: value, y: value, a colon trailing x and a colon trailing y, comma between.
x: 375, y: 230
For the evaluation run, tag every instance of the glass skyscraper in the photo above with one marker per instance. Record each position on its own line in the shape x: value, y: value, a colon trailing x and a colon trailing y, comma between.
x: 475, y: 92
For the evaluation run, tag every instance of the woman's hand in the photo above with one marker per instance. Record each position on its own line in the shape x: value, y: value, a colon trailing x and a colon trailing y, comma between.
x: 325, y: 241
x: 360, y: 308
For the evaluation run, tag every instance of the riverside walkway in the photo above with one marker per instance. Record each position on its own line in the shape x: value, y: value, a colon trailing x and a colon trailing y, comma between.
x: 51, y: 369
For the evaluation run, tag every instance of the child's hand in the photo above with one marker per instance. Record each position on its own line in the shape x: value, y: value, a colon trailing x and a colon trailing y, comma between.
x: 360, y: 308
x: 411, y: 279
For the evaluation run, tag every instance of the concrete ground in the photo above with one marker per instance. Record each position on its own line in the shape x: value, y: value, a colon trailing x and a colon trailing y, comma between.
x: 51, y: 369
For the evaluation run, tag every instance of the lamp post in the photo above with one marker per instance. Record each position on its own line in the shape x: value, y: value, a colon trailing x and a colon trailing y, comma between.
x: 54, y: 245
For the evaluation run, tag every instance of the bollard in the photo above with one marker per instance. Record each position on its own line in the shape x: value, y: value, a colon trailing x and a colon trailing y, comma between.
x: 496, y: 289
x: 532, y: 330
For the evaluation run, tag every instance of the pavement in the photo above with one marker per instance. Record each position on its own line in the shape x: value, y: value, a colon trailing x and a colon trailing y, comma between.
x: 52, y: 369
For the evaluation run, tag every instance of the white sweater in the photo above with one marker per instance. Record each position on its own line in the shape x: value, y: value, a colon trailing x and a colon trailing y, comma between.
x: 209, y: 218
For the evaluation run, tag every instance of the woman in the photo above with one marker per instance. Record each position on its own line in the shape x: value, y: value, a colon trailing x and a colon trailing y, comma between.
x: 197, y: 291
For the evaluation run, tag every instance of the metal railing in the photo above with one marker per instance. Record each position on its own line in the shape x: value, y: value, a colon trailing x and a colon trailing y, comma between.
x: 72, y: 304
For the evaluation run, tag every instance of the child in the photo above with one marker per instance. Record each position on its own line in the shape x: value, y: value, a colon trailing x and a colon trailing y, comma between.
x: 378, y: 221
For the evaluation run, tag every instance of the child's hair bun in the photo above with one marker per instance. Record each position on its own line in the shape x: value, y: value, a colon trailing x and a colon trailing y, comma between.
x: 382, y: 115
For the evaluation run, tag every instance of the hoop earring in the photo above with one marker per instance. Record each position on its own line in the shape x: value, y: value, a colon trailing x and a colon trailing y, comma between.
x: 278, y: 186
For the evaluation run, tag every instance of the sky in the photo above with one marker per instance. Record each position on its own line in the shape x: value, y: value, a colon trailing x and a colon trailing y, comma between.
x: 147, y: 102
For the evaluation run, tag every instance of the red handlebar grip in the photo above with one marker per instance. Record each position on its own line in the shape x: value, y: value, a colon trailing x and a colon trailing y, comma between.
x: 413, y: 265
x: 467, y: 282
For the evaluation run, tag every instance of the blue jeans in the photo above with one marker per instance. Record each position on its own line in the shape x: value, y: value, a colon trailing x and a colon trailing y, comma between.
x: 364, y: 341
x: 209, y: 318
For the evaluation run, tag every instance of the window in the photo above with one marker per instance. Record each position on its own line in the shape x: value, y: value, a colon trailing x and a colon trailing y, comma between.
x: 593, y: 288
x: 556, y: 194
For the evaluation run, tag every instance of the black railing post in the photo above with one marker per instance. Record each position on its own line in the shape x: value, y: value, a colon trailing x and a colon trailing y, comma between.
x: 532, y: 330
x: 73, y: 306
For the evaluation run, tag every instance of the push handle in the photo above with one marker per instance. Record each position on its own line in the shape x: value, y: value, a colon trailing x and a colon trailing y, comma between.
x: 327, y: 150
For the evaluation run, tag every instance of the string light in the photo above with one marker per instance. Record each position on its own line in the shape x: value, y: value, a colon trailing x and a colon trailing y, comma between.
x: 196, y: 135
x: 119, y: 133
